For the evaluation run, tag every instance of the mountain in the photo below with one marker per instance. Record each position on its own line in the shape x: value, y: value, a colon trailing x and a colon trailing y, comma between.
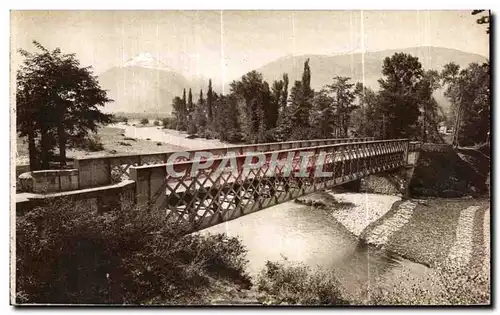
x: 324, y: 68
x: 143, y: 84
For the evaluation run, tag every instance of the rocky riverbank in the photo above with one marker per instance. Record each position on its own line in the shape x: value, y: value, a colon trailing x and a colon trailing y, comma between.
x: 451, y: 236
x: 354, y: 211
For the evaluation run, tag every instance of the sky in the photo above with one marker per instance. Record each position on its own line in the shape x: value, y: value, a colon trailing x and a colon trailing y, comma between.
x: 223, y: 45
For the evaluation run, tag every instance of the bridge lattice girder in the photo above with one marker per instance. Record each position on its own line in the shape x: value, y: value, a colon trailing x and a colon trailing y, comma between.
x: 205, y: 197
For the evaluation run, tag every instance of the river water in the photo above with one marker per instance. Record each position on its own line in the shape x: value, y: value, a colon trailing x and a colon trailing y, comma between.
x: 304, y: 234
x: 312, y: 236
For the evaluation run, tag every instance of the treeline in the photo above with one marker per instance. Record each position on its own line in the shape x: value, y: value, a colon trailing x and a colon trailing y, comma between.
x: 255, y: 111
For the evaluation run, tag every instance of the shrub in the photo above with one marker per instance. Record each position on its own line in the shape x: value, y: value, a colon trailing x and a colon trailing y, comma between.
x: 65, y: 253
x: 232, y: 136
x: 169, y: 122
x: 92, y: 143
x: 283, y: 283
x: 156, y: 123
x: 192, y: 130
x: 117, y: 119
x: 144, y: 121
x: 114, y: 119
x: 208, y: 134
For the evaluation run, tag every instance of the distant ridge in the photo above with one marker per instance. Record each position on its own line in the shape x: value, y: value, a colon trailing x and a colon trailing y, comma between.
x: 144, y: 84
x: 324, y: 67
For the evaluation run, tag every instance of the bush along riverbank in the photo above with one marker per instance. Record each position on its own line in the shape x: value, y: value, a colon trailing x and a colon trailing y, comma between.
x: 450, y: 173
x: 68, y: 254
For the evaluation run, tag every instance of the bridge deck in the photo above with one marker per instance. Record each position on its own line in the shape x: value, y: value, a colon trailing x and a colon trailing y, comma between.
x: 204, y: 197
x: 99, y: 171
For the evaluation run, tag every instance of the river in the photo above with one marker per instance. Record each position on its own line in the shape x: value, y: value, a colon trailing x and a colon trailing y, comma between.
x: 304, y: 234
x: 312, y: 236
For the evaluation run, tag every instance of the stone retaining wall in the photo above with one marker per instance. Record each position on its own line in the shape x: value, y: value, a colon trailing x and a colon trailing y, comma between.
x: 47, y: 181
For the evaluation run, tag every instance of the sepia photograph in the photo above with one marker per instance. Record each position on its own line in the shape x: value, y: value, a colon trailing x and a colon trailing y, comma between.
x: 250, y: 158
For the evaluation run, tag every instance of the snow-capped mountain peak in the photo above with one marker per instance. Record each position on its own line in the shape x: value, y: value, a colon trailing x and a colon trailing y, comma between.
x: 146, y: 60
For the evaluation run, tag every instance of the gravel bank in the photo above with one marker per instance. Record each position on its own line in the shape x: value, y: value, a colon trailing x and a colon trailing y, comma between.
x: 460, y: 253
x: 431, y: 232
x: 379, y: 235
x: 366, y: 208
x: 354, y: 211
x: 486, y: 242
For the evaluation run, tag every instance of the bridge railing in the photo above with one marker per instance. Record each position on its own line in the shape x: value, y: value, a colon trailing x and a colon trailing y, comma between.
x: 202, y: 197
x: 99, y: 171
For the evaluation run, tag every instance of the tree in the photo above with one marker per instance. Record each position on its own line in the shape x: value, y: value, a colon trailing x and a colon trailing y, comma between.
x: 398, y: 98
x: 250, y: 90
x: 284, y: 95
x: 323, y: 115
x: 428, y: 105
x: 343, y: 95
x: 449, y: 76
x: 280, y: 99
x: 179, y: 107
x: 271, y: 111
x: 306, y: 80
x: 210, y: 100
x: 227, y: 118
x: 190, y: 106
x: 57, y: 102
x: 200, y: 116
x: 475, y: 127
x: 144, y: 121
x: 368, y: 118
x: 297, y: 125
x: 278, y: 94
x: 485, y: 19
x: 469, y: 93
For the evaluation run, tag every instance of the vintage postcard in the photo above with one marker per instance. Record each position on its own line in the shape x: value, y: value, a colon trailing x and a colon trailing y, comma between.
x: 250, y: 157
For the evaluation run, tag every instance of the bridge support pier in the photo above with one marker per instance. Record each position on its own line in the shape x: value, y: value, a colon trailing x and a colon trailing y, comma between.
x: 354, y: 186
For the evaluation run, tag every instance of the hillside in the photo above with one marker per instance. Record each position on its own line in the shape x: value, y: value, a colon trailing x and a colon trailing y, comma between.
x: 324, y: 68
x: 144, y: 84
